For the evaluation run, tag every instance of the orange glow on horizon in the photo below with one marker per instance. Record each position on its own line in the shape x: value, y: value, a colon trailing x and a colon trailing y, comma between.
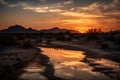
x: 62, y: 14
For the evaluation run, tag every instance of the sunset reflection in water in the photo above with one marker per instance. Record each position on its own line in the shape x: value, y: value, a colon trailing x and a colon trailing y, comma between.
x: 68, y: 65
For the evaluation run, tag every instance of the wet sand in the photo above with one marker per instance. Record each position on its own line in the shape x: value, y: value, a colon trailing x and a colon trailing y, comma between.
x: 19, y: 59
x: 39, y: 68
x: 112, y: 71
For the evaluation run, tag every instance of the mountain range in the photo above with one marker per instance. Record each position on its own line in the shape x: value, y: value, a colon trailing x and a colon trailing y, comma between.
x: 21, y: 29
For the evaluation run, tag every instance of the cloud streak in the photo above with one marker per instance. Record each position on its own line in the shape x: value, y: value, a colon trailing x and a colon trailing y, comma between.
x: 54, y: 7
x: 96, y: 14
x: 103, y: 15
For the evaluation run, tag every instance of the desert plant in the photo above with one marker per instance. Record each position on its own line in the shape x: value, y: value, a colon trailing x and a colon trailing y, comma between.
x: 104, y: 46
x: 93, y: 33
x: 8, y: 40
x: 27, y: 44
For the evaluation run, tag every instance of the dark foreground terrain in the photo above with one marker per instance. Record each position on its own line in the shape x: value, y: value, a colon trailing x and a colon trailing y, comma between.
x: 21, y: 57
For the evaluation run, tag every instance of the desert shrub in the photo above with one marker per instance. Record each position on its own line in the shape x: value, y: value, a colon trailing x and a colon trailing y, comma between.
x: 60, y: 37
x: 48, y: 41
x: 104, y: 46
x: 100, y: 41
x: 8, y: 40
x: 109, y: 37
x: 27, y: 44
x: 21, y: 37
x: 66, y: 36
x: 93, y: 34
x: 117, y: 40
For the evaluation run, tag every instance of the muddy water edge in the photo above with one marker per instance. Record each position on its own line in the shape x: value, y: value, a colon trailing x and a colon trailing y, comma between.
x: 17, y: 70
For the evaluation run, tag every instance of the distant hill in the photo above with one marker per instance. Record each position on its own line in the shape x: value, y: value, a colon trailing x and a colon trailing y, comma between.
x: 18, y: 29
x: 21, y: 29
x: 57, y: 30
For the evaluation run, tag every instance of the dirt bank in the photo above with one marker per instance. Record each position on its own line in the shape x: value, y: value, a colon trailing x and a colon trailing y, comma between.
x: 12, y: 59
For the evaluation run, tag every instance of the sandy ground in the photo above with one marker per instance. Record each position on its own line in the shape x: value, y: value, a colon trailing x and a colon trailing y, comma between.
x: 13, y: 60
x: 12, y: 57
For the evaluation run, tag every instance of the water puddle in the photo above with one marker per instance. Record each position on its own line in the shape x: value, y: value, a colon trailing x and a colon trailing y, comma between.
x: 68, y: 65
x: 33, y: 71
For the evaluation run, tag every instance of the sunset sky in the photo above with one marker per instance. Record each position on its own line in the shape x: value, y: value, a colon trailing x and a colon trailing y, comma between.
x: 71, y: 14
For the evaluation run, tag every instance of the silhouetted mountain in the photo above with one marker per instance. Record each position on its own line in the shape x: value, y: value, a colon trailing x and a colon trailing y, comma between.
x: 30, y: 30
x: 21, y: 29
x: 57, y: 30
x: 18, y: 29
